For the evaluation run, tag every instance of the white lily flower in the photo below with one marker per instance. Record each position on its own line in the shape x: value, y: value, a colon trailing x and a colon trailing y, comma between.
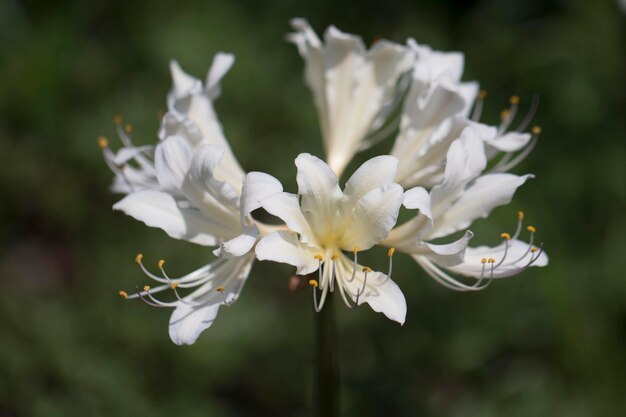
x: 464, y: 195
x: 324, y: 222
x: 193, y: 188
x: 437, y: 109
x: 355, y: 89
x: 190, y: 116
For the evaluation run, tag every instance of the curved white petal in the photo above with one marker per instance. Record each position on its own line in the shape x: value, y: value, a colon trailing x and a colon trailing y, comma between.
x: 240, y: 245
x: 257, y: 186
x: 486, y: 193
x: 284, y: 247
x: 172, y: 158
x: 419, y: 199
x: 510, y: 142
x: 183, y: 83
x: 372, y: 174
x: 517, y: 259
x: 222, y: 63
x: 187, y: 322
x: 319, y: 190
x: 286, y: 206
x: 159, y: 209
x: 442, y: 254
x: 373, y: 217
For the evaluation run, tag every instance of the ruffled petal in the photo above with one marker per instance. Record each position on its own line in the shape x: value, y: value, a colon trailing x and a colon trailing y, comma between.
x: 256, y: 187
x: 483, y: 195
x: 286, y: 206
x: 240, y: 245
x: 172, y: 158
x: 161, y: 210
x: 284, y: 247
x: 372, y: 174
x: 442, y: 254
x: 373, y: 217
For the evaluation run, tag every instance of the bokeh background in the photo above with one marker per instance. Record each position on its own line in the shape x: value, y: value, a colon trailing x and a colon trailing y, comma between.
x: 547, y: 343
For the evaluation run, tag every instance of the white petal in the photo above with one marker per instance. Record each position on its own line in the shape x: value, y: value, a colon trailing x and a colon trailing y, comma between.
x: 222, y: 62
x: 240, y: 245
x: 286, y: 206
x: 189, y: 321
x: 446, y: 254
x: 172, y: 158
x: 517, y: 259
x: 320, y: 192
x: 257, y: 186
x: 510, y: 142
x: 373, y: 217
x: 419, y: 199
x: 183, y: 83
x: 284, y: 247
x: 158, y: 209
x: 486, y: 193
x: 372, y: 174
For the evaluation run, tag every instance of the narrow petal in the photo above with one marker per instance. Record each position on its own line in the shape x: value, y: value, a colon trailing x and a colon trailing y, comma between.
x: 510, y: 142
x: 286, y: 206
x: 284, y: 247
x: 188, y: 322
x: 256, y: 187
x: 442, y: 254
x: 372, y: 174
x: 240, y: 245
x: 158, y: 209
x: 486, y: 193
x: 222, y: 62
x: 419, y: 199
x: 320, y: 192
x: 373, y: 217
x: 518, y: 257
x: 172, y: 158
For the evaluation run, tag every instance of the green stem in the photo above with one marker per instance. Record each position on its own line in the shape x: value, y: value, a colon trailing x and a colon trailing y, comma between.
x: 327, y: 375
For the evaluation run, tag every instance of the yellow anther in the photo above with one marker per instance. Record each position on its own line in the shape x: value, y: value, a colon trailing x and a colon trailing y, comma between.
x: 356, y: 249
x: 138, y: 258
x: 123, y: 294
x: 505, y: 114
x: 367, y: 269
x: 514, y: 100
x: 103, y: 143
x: 219, y: 289
x: 146, y: 288
x: 117, y: 119
x: 313, y: 283
x: 174, y: 285
x: 482, y: 94
x: 334, y: 257
x: 536, y: 130
x: 391, y: 252
x: 319, y: 257
x: 483, y: 261
x: 161, y: 263
x: 128, y: 128
x: 505, y: 236
x: 534, y: 249
x: 491, y: 261
x: 531, y: 229
x: 520, y: 215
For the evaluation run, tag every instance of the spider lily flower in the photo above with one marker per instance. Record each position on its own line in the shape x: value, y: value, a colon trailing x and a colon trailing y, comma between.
x: 355, y: 89
x: 325, y: 222
x: 193, y: 204
x: 190, y: 116
x: 437, y: 109
x: 464, y: 195
x: 193, y: 188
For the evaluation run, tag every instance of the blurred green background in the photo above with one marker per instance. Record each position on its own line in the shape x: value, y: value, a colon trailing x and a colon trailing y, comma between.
x: 550, y: 342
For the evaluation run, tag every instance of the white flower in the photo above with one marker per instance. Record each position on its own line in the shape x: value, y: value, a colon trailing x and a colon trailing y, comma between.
x: 437, y: 109
x: 354, y: 89
x: 325, y: 222
x: 464, y: 195
x: 193, y: 188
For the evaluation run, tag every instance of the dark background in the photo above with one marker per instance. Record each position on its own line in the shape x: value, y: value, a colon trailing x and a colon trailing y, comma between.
x: 550, y: 342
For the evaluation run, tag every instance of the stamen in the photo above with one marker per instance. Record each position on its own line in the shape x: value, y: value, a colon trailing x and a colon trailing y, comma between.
x: 478, y: 106
x: 139, y: 261
x: 117, y: 119
x: 314, y: 284
x: 390, y: 254
x: 534, y: 105
x: 531, y: 229
x: 123, y: 294
x: 332, y: 271
x: 153, y: 301
x: 103, y: 143
x: 505, y: 236
x: 128, y: 128
x: 355, y: 251
x: 536, y: 130
x: 514, y: 99
x: 366, y: 269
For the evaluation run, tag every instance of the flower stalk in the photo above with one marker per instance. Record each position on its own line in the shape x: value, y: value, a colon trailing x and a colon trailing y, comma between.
x: 327, y: 394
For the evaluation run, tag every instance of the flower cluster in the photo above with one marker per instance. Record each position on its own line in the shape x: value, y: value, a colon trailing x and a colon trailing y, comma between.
x: 444, y: 164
